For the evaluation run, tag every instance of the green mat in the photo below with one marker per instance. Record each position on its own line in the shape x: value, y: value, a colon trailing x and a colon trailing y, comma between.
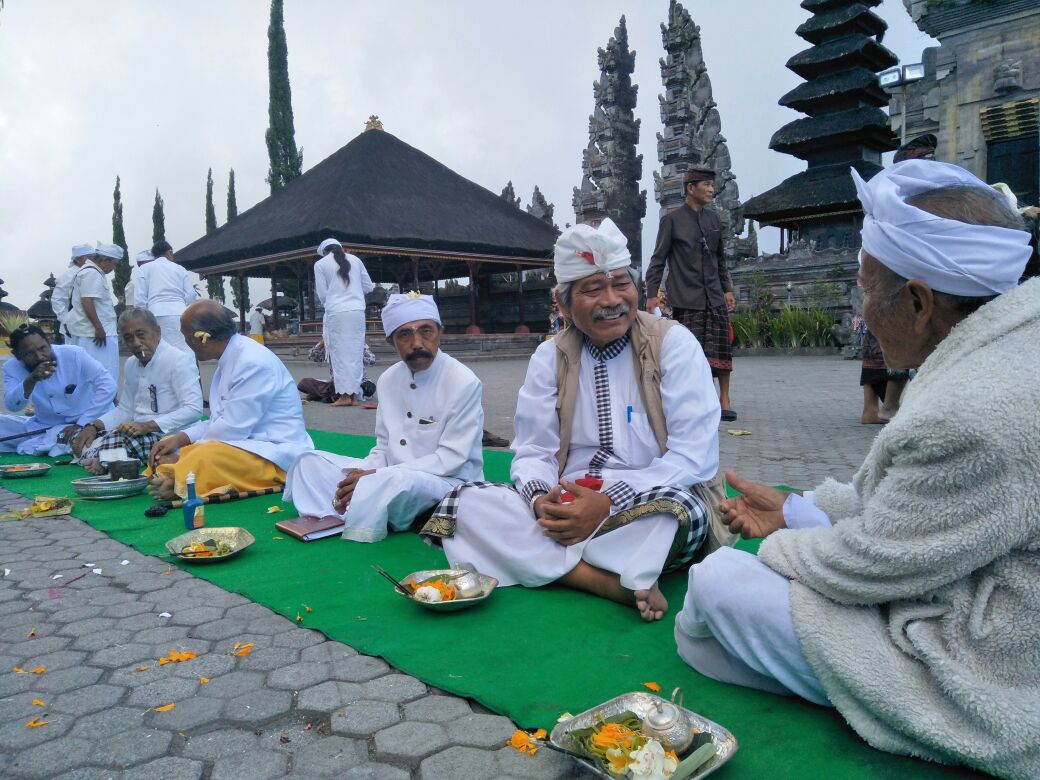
x: 528, y: 654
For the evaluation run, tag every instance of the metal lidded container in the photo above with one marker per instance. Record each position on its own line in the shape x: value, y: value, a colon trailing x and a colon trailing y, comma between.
x: 668, y: 724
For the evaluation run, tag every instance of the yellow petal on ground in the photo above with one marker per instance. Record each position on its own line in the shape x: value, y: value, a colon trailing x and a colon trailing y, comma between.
x: 308, y: 609
x: 652, y: 686
x: 18, y: 670
x: 299, y: 618
x: 38, y: 703
x: 738, y: 432
x: 31, y: 634
x: 272, y: 509
x: 35, y: 723
x: 241, y: 650
x: 164, y: 708
x: 203, y: 680
x: 39, y: 670
x: 143, y: 668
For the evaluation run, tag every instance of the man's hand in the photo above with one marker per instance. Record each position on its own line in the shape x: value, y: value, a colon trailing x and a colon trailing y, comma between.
x: 165, y: 449
x: 652, y: 303
x: 67, y: 434
x: 757, y: 512
x: 137, y: 428
x: 731, y: 301
x: 100, y: 337
x: 83, y: 439
x: 44, y: 370
x: 574, y: 522
x: 345, y: 489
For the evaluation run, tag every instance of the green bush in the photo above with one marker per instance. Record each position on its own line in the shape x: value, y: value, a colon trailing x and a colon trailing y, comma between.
x: 747, y: 328
x: 789, y: 328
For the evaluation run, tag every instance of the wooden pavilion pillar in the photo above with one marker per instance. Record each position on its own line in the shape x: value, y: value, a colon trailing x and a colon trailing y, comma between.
x: 243, y: 285
x: 274, y: 299
x: 474, y: 325
x: 415, y: 273
x: 522, y: 327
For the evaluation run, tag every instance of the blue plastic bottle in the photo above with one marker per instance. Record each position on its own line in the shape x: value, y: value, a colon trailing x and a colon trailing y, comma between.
x: 194, y: 508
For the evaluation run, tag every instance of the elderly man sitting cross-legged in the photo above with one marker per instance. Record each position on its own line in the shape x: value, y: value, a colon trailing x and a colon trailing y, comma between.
x: 909, y: 599
x: 428, y: 435
x: 619, y: 395
x: 161, y: 394
x: 255, y: 430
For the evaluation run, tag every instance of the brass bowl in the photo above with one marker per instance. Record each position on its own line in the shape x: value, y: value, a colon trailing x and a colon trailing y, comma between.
x: 23, y: 470
x: 238, y: 538
x: 486, y: 584
x: 105, y: 488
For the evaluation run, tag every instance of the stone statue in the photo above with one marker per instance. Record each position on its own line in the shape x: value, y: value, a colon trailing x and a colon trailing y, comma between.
x: 1007, y: 76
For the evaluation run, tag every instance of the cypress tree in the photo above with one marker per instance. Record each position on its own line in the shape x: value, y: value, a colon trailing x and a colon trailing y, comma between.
x: 232, y: 203
x: 286, y: 161
x: 158, y: 219
x: 121, y: 275
x: 211, y: 214
x: 240, y: 292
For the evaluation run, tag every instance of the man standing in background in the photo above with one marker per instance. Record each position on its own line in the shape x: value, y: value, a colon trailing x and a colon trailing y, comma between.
x: 164, y: 288
x: 91, y: 320
x: 256, y: 325
x: 689, y: 242
x: 61, y: 298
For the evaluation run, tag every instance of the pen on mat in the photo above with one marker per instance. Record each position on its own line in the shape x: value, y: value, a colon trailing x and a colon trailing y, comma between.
x: 630, y: 415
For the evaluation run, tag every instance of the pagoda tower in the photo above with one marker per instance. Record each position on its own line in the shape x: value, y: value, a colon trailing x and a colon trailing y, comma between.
x: 611, y: 169
x: 845, y: 126
x: 692, y: 131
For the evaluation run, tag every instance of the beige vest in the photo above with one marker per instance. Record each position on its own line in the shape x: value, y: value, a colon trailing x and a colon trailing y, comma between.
x: 647, y: 336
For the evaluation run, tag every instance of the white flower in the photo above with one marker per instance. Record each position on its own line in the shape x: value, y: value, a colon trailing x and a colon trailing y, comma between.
x: 427, y: 593
x: 650, y: 763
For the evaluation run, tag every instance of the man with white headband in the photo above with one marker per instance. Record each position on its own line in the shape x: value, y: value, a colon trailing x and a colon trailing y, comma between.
x: 91, y: 320
x: 909, y: 598
x: 61, y: 297
x: 616, y: 421
x: 165, y: 289
x: 428, y: 435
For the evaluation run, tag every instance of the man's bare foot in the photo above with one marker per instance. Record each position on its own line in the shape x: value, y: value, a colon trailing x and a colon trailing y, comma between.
x: 162, y: 488
x: 92, y: 466
x: 887, y: 414
x: 651, y: 603
x: 872, y: 419
x: 345, y: 400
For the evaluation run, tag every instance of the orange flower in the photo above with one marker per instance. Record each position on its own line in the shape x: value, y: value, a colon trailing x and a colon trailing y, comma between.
x: 143, y: 668
x: 18, y: 670
x: 618, y: 760
x: 523, y: 742
x: 164, y: 708
x: 35, y: 723
x: 177, y: 656
x: 652, y: 686
x: 38, y: 703
x: 39, y: 670
x: 240, y: 649
x: 203, y: 680
x: 299, y: 618
x: 308, y: 609
x: 613, y: 735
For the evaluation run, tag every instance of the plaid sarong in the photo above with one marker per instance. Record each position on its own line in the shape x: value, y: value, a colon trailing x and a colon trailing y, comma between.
x: 139, y: 447
x: 711, y: 328
x: 688, y: 510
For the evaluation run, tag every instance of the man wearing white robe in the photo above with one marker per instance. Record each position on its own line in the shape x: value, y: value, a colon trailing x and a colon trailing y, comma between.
x: 582, y: 411
x: 66, y: 387
x: 161, y: 394
x: 61, y: 295
x: 165, y: 289
x: 429, y: 426
x: 130, y: 291
x: 91, y: 321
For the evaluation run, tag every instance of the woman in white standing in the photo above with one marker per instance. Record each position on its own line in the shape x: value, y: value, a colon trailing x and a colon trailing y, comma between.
x: 340, y: 283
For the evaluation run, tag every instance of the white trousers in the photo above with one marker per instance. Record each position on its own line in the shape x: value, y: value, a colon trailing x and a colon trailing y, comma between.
x: 107, y: 356
x: 345, y: 345
x: 393, y: 496
x: 735, y: 626
x: 496, y: 531
x: 170, y: 325
x: 40, y: 444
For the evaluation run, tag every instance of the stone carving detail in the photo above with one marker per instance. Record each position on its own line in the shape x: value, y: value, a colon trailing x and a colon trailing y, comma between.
x: 1007, y: 76
x: 542, y: 209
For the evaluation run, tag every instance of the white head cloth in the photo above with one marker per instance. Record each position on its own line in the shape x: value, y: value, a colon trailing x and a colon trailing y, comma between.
x: 948, y: 255
x: 144, y: 256
x: 583, y: 250
x: 110, y: 250
x: 80, y: 250
x: 408, y: 307
x: 328, y: 242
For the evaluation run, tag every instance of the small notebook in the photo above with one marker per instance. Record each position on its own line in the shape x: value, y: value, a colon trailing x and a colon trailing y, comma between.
x: 309, y: 528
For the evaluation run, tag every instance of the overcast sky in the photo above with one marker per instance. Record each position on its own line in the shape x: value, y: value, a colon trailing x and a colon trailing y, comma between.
x: 158, y: 92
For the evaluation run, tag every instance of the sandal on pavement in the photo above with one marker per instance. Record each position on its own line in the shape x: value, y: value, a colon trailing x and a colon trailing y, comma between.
x: 728, y: 415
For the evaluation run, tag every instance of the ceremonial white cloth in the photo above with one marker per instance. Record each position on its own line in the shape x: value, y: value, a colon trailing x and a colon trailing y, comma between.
x: 107, y: 355
x: 173, y: 378
x: 113, y: 251
x: 328, y: 243
x: 91, y: 282
x: 496, y: 529
x: 408, y: 307
x: 164, y: 288
x: 256, y: 323
x: 61, y: 296
x: 170, y: 328
x: 429, y: 428
x: 254, y: 405
x: 82, y: 250
x: 90, y: 391
x: 583, y: 250
x: 949, y: 256
x: 343, y: 325
x: 335, y: 294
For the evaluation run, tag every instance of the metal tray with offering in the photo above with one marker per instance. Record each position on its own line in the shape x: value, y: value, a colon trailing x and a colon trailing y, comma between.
x: 444, y: 590
x: 209, y: 545
x: 23, y: 470
x: 105, y: 488
x: 704, y: 745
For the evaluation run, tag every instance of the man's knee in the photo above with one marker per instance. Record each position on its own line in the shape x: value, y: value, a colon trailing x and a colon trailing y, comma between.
x: 717, y: 583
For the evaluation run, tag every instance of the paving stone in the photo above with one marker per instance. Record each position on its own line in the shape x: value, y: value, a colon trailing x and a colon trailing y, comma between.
x: 91, y: 773
x: 189, y: 714
x: 359, y: 668
x: 329, y: 696
x: 219, y: 629
x: 545, y: 765
x: 364, y: 718
x: 460, y: 763
x: 34, y: 647
x: 111, y: 721
x: 145, y: 584
x: 408, y: 743
x: 11, y: 684
x: 331, y: 757
x: 270, y: 625
x: 437, y: 709
x: 198, y: 646
x: 58, y: 755
x: 102, y: 639
x: 296, y: 677
x: 161, y: 692
x: 111, y: 601
x: 88, y: 626
x: 16, y: 630
x: 219, y: 744
x: 197, y: 616
x: 62, y: 659
x: 259, y: 765
x: 258, y: 706
x: 483, y: 731
x: 140, y: 622
x: 228, y: 686
x: 121, y: 655
x: 68, y: 679
x: 267, y: 659
x: 18, y: 706
x: 298, y: 638
x: 131, y: 747
x: 374, y: 771
x: 161, y: 635
x: 84, y: 701
x: 167, y: 768
x: 208, y: 665
x: 327, y: 651
x: 297, y: 728
x: 248, y: 612
x: 16, y: 736
x: 395, y: 687
x: 127, y: 608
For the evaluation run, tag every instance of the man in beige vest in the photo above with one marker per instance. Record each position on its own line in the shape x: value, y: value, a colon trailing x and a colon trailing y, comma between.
x: 621, y: 401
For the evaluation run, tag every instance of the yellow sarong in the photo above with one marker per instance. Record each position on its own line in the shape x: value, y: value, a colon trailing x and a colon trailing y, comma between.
x: 257, y: 337
x: 220, y: 468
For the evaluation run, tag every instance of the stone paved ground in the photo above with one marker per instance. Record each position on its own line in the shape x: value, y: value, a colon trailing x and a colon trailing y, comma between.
x: 298, y: 705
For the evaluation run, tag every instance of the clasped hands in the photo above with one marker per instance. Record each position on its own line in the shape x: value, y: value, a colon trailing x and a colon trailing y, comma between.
x: 345, y: 489
x: 575, y: 521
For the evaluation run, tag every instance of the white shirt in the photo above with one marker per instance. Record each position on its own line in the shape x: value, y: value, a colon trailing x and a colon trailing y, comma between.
x: 91, y: 282
x: 254, y: 405
x: 173, y: 377
x: 256, y: 323
x: 61, y: 293
x: 164, y: 288
x: 334, y: 294
x: 691, y: 409
x: 79, y: 391
x: 431, y: 421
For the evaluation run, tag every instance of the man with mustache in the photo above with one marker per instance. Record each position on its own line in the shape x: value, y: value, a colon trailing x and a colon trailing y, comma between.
x: 161, y: 394
x: 428, y: 436
x: 621, y: 401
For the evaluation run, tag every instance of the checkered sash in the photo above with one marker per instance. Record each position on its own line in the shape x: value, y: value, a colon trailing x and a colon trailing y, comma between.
x: 441, y: 524
x: 139, y: 447
x: 601, y: 383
